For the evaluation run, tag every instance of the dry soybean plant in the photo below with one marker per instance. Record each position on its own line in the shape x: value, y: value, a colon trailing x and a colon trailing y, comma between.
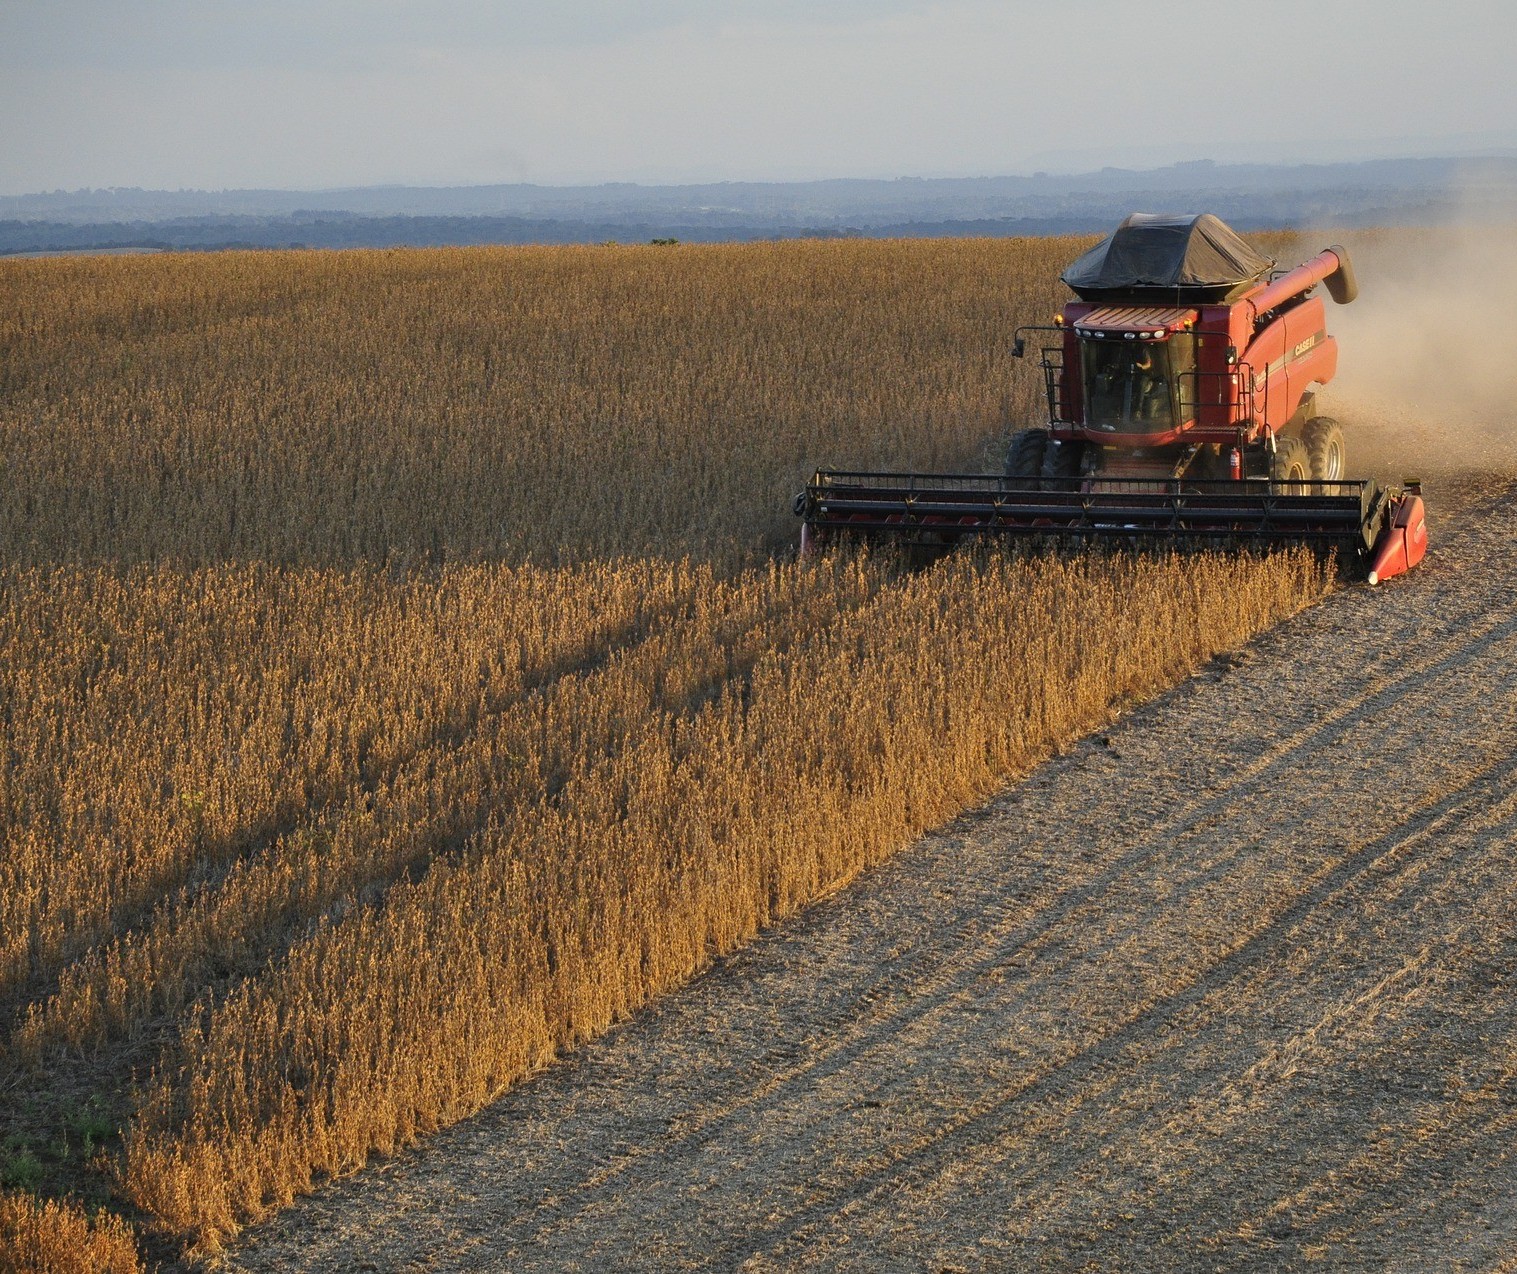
x: 544, y: 403
x: 51, y: 1237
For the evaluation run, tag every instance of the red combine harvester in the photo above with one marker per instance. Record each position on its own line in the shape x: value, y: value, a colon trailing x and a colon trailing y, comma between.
x: 1180, y: 407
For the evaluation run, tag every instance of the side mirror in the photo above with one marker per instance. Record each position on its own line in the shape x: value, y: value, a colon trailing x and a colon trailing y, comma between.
x: 1018, y: 347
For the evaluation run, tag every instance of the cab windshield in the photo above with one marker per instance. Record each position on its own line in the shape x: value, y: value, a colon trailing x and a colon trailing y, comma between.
x: 1128, y: 385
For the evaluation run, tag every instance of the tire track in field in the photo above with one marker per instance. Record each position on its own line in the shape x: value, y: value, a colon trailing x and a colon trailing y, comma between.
x: 984, y: 1124
x: 1096, y: 1124
x: 1005, y: 1019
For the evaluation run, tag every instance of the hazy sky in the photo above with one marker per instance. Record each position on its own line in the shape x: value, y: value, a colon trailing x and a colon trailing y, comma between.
x: 322, y: 93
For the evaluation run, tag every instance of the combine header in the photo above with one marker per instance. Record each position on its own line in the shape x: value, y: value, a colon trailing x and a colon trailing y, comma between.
x: 1180, y: 407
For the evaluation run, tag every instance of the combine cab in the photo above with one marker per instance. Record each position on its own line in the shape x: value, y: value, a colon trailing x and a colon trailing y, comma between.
x: 1180, y: 405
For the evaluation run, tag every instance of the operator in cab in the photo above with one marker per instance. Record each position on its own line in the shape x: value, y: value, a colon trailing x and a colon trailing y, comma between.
x: 1151, y: 393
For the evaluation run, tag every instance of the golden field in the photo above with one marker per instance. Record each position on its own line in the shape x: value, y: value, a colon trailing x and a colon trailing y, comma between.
x: 545, y: 404
x: 404, y: 675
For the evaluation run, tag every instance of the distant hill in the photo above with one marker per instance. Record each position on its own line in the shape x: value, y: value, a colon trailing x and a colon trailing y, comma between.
x: 1250, y: 196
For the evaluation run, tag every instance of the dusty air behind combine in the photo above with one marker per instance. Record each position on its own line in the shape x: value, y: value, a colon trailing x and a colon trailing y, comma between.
x: 1180, y: 406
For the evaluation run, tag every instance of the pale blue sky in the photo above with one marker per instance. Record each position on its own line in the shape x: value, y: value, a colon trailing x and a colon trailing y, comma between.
x: 324, y: 93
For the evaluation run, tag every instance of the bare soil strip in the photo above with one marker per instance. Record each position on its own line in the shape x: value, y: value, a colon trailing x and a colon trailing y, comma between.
x: 1227, y: 987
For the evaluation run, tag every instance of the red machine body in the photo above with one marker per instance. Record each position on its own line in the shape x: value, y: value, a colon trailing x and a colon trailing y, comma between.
x: 1181, y: 405
x: 1403, y: 542
x: 1247, y: 365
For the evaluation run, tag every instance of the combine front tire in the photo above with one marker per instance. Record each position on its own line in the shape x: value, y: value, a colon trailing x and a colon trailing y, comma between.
x: 1324, y: 448
x: 1061, y: 463
x: 1291, y: 466
x: 1024, y: 458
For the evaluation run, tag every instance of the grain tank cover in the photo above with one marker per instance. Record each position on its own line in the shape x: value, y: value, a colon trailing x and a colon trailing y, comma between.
x: 1162, y: 257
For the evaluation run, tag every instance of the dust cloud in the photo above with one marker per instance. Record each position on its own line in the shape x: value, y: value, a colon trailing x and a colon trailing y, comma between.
x: 1427, y: 371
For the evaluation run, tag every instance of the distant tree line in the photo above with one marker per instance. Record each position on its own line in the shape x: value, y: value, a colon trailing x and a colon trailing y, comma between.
x: 1068, y: 213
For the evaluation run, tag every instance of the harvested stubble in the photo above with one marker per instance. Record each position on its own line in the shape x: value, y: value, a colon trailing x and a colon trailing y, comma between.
x: 297, y: 771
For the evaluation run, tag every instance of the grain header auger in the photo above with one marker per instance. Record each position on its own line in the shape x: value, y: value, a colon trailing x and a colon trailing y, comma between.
x: 1180, y: 408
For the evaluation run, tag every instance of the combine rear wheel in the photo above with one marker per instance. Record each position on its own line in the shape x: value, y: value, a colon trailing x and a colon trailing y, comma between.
x: 1324, y: 447
x: 1292, y: 465
x: 1061, y: 462
x: 1024, y: 458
